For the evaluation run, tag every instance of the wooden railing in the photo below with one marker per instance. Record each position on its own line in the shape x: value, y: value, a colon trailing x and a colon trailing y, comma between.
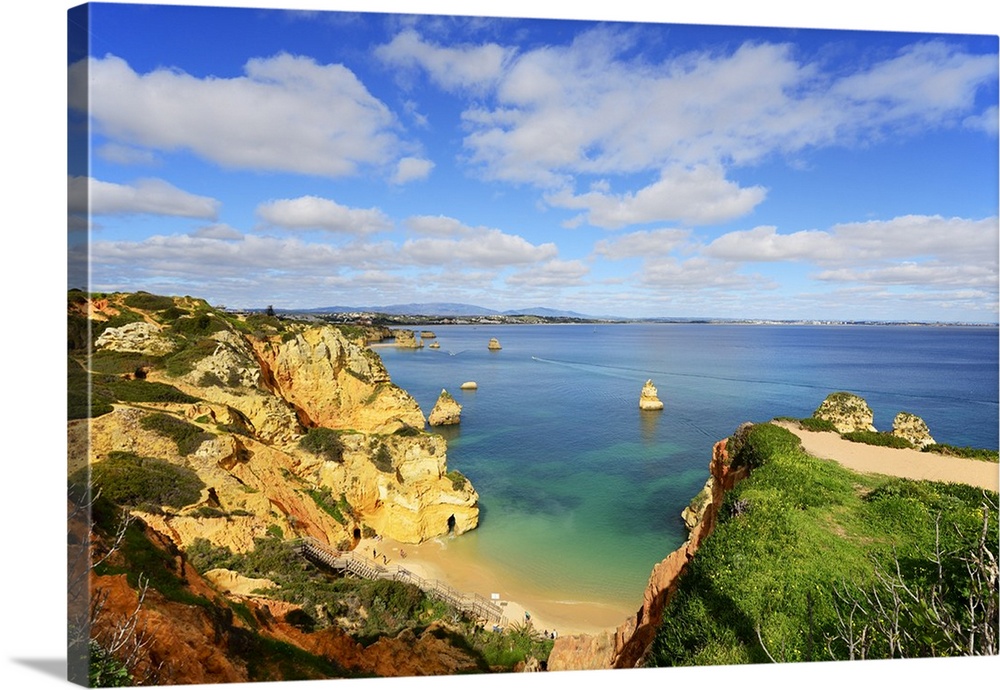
x: 351, y: 562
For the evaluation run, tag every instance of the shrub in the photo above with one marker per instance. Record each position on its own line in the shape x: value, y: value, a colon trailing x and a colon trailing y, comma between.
x: 82, y: 401
x: 962, y: 452
x: 130, y: 480
x: 458, y: 480
x: 382, y: 457
x: 148, y: 302
x: 187, y: 436
x: 184, y: 360
x: 139, y: 390
x: 761, y: 442
x: 201, y: 325
x: 113, y: 362
x: 324, y: 499
x: 172, y: 314
x: 815, y: 424
x: 877, y: 438
x: 323, y: 442
x: 205, y: 556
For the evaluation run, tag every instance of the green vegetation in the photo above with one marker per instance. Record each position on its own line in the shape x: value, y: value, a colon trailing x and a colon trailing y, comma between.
x: 381, y: 456
x: 117, y: 363
x: 148, y: 302
x: 877, y: 438
x: 200, y: 326
x: 802, y: 542
x: 183, y: 360
x: 139, y: 390
x: 379, y: 607
x: 815, y: 424
x: 127, y: 479
x: 458, y: 480
x: 124, y: 317
x: 340, y: 510
x: 186, y: 435
x: 962, y: 452
x: 515, y: 644
x: 81, y: 403
x: 323, y: 442
x: 104, y: 671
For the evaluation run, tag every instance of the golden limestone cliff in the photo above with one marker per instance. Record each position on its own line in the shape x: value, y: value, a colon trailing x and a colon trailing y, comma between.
x: 250, y: 401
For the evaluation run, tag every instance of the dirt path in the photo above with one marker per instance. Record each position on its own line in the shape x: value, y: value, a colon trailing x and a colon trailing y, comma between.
x: 897, y: 462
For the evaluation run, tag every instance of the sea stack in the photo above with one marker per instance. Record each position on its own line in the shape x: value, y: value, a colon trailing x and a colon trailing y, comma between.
x: 406, y: 338
x: 469, y: 386
x: 494, y: 344
x: 913, y: 429
x: 648, y: 399
x: 446, y: 410
x: 847, y: 412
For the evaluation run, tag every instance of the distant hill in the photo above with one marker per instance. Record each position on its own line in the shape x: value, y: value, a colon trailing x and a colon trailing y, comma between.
x: 445, y: 309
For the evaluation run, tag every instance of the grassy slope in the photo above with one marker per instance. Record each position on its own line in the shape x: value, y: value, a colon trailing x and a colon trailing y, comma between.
x: 790, y: 536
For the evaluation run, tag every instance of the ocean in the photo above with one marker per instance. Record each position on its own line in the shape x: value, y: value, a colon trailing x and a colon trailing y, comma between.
x: 581, y: 492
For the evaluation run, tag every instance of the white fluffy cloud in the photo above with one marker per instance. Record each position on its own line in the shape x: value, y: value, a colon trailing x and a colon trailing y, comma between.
x: 442, y: 240
x: 453, y: 67
x: 147, y: 196
x: 287, y: 113
x: 555, y: 273
x: 698, y: 273
x: 218, y: 231
x: 409, y: 169
x: 643, y: 243
x: 587, y: 108
x: 316, y: 213
x: 958, y: 241
x: 695, y: 196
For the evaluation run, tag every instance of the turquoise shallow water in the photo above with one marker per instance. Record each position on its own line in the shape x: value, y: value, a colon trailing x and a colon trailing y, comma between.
x: 582, y: 491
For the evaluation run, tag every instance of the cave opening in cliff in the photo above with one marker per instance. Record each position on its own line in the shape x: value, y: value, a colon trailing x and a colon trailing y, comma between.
x: 451, y: 524
x: 357, y: 533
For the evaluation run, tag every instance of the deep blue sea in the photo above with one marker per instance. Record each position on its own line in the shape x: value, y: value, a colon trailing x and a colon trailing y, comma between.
x: 581, y: 490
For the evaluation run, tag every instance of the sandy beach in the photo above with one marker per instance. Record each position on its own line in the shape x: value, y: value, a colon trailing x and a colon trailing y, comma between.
x: 433, y: 560
x: 896, y: 462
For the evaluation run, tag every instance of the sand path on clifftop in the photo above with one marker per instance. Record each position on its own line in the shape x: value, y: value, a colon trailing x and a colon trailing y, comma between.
x: 896, y: 462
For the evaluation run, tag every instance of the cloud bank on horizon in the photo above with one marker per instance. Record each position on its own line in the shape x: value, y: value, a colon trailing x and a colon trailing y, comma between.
x: 606, y: 168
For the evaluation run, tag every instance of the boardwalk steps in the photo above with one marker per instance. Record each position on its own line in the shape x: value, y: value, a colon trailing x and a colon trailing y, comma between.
x: 350, y: 562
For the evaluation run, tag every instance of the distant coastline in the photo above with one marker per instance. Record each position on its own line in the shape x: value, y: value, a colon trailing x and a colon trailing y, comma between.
x: 392, y: 317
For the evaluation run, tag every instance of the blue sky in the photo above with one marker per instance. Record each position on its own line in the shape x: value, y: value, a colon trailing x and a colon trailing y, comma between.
x: 309, y: 158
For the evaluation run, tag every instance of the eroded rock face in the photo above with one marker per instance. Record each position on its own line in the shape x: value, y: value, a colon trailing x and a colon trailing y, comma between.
x: 847, y: 412
x: 446, y: 411
x: 400, y: 485
x: 912, y: 428
x: 135, y: 337
x: 337, y: 384
x: 648, y: 399
x: 231, y: 364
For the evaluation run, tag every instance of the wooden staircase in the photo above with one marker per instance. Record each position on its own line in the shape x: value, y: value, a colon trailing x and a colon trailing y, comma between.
x: 477, y: 606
